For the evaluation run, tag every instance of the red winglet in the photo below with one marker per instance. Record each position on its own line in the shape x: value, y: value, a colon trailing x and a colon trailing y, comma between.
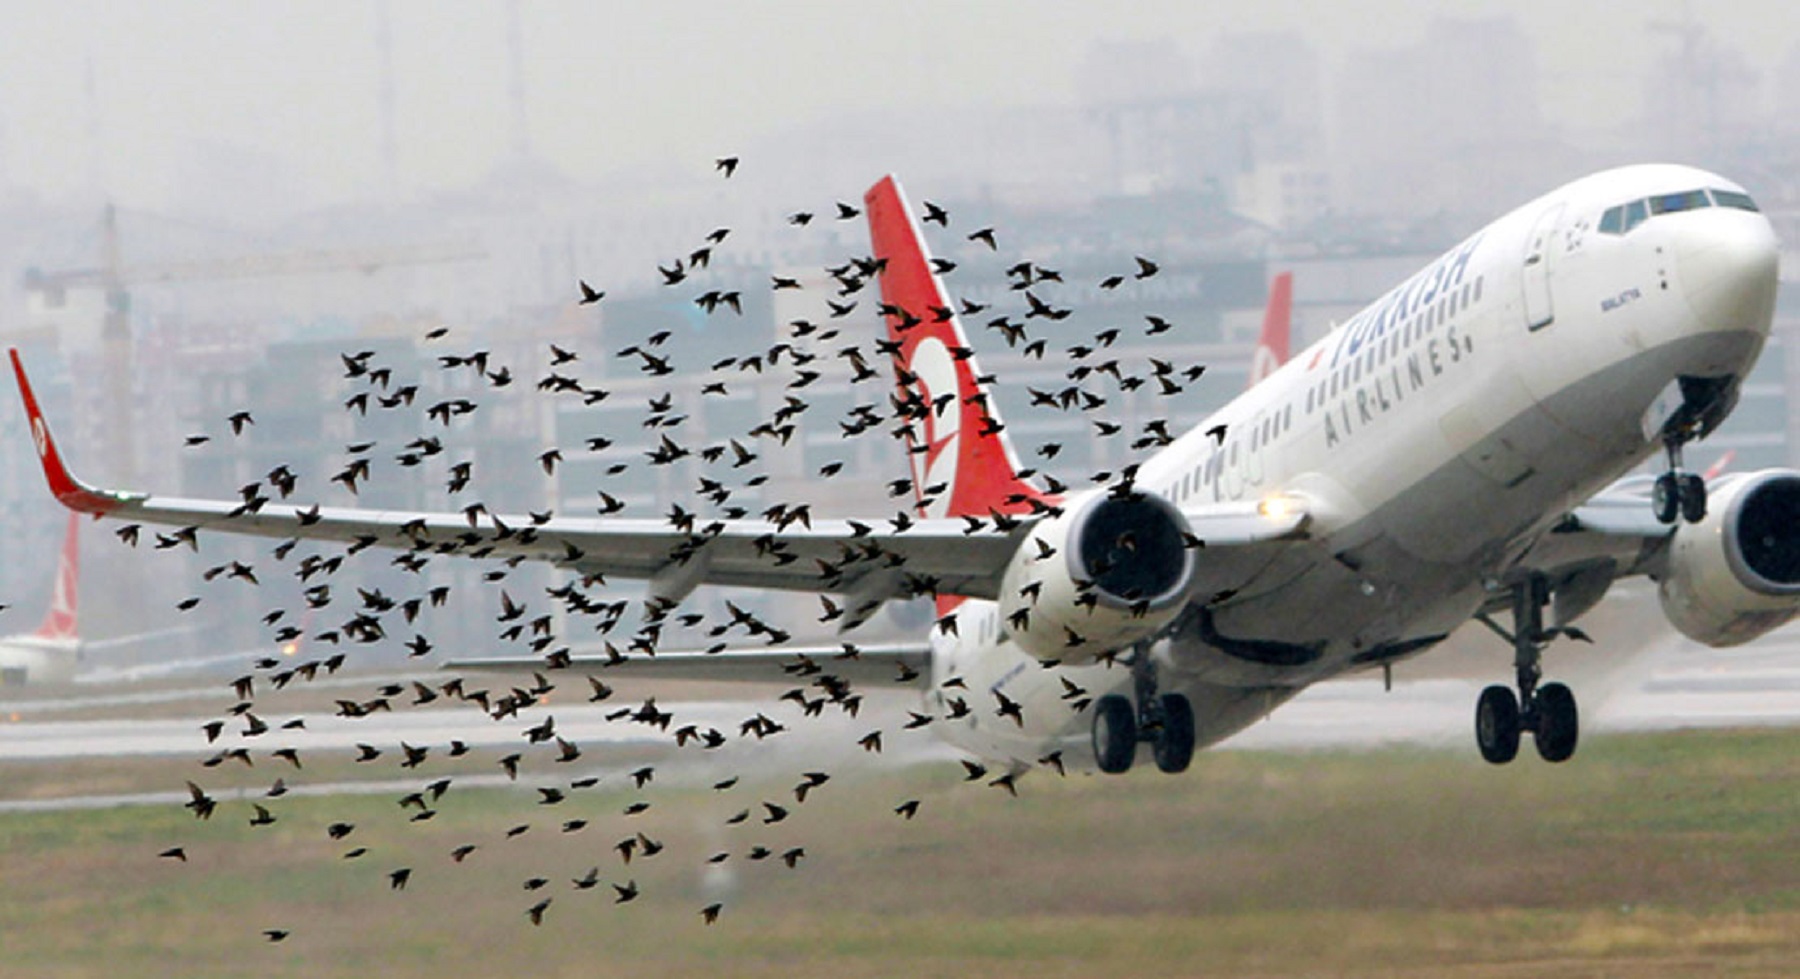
x: 68, y: 490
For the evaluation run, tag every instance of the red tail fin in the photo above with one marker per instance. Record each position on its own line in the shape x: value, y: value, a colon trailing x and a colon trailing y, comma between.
x: 59, y: 621
x: 955, y: 439
x: 1272, y: 346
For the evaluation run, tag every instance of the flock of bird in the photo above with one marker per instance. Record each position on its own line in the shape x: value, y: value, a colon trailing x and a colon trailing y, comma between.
x: 236, y: 737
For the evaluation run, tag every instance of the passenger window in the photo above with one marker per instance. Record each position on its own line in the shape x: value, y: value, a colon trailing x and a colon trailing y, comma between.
x: 1477, y: 296
x: 1735, y: 199
x: 1613, y: 221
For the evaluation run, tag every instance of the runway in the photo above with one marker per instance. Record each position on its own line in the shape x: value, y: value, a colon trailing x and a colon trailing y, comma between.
x: 1674, y: 684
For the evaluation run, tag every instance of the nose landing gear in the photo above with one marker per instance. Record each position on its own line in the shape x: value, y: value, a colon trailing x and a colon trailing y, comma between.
x: 1549, y: 711
x: 1678, y: 493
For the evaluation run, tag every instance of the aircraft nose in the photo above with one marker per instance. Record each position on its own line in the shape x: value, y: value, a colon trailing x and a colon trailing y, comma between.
x: 1728, y: 266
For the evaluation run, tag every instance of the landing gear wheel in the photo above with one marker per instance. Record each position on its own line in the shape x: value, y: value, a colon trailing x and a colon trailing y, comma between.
x: 1497, y: 725
x: 1115, y: 734
x: 1173, y: 746
x: 1691, y: 492
x: 1558, y: 722
x: 1666, y: 499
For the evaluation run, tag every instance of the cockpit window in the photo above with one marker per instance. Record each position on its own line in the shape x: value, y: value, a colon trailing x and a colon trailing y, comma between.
x: 1733, y: 198
x: 1687, y: 200
x: 1635, y: 213
x: 1621, y: 218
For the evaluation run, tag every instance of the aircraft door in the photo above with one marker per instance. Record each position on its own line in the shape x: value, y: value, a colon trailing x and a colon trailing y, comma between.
x: 1539, y: 312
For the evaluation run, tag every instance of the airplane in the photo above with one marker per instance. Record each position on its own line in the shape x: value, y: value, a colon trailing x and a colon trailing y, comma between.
x: 1458, y: 449
x: 52, y: 652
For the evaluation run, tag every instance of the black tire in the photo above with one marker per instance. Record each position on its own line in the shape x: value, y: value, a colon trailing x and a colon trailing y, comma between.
x: 1665, y: 498
x: 1558, y: 722
x: 1497, y: 725
x: 1691, y: 490
x: 1173, y: 748
x: 1115, y: 734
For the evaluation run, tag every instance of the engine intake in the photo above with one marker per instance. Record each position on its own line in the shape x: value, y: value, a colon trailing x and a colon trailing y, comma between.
x: 1736, y: 574
x: 1112, y: 570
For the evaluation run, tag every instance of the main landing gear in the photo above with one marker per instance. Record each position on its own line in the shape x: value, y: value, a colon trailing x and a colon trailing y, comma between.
x: 1678, y: 493
x: 1548, y: 711
x: 1164, y: 720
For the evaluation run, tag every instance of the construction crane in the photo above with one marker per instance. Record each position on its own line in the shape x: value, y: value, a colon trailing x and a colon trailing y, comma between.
x: 114, y: 279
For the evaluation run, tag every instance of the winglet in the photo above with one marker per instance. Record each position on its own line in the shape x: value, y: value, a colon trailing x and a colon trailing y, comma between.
x: 69, y: 491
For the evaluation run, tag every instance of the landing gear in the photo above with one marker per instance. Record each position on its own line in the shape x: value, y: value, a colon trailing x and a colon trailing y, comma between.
x: 1115, y: 733
x: 1164, y: 720
x: 1173, y: 744
x: 1678, y: 493
x: 1497, y: 724
x: 1548, y: 712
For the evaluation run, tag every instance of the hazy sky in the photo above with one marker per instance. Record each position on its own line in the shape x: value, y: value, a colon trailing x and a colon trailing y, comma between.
x: 291, y: 86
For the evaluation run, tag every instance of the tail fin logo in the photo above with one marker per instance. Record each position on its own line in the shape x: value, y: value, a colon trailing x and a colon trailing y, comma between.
x: 935, y: 464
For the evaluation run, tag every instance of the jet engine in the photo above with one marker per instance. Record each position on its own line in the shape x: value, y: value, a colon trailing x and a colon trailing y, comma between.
x: 1736, y: 574
x: 1111, y: 570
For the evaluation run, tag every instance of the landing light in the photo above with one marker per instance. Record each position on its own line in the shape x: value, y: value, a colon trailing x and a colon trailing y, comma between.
x: 1278, y: 507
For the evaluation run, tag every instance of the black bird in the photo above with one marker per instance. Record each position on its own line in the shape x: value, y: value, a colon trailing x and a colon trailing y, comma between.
x: 936, y: 213
x: 985, y: 235
x: 1218, y: 433
x: 589, y: 295
x: 845, y: 212
x: 238, y: 420
x: 726, y: 165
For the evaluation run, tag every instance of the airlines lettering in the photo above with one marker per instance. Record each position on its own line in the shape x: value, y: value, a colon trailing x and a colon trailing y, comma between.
x: 1424, y: 363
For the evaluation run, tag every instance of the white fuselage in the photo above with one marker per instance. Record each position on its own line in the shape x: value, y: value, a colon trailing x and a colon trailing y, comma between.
x: 1432, y: 438
x: 36, y: 660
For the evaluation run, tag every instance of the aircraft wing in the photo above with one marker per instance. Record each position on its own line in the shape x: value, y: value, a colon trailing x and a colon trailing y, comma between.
x: 1621, y: 509
x: 879, y: 561
x: 868, y: 563
x: 862, y: 665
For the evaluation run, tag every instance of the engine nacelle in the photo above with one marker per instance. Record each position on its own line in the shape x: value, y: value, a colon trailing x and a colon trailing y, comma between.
x: 1112, y: 569
x: 1736, y: 574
